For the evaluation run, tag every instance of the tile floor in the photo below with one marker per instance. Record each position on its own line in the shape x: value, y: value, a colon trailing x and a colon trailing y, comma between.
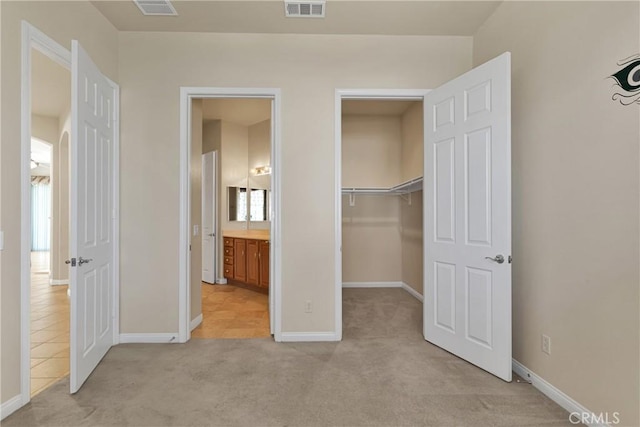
x: 232, y: 312
x: 49, y: 326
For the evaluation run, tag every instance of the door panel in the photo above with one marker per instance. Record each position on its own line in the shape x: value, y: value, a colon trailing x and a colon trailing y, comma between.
x: 253, y: 270
x: 264, y: 259
x: 467, y: 208
x: 240, y: 259
x: 208, y: 218
x: 91, y: 216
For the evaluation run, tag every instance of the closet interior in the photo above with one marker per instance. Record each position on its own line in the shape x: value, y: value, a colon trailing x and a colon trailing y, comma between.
x: 382, y: 170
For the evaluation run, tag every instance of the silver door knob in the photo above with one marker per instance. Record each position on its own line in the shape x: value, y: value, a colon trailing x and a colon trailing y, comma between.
x: 499, y: 259
x: 84, y: 261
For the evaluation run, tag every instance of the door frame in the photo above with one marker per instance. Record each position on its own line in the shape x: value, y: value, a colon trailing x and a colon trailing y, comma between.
x: 355, y: 94
x: 33, y: 38
x: 187, y: 94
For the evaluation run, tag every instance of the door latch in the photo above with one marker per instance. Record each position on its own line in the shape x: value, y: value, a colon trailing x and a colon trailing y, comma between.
x: 71, y: 261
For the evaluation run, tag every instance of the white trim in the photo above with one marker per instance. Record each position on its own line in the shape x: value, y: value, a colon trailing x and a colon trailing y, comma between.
x: 417, y: 295
x: 195, y: 322
x: 31, y: 38
x: 340, y: 94
x: 308, y: 337
x: 58, y: 282
x: 11, y: 406
x: 154, y: 338
x: 553, y: 393
x: 371, y: 284
x: 184, y: 291
x: 402, y: 285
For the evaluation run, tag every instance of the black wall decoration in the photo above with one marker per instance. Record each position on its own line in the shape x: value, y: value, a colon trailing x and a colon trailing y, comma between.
x: 627, y: 81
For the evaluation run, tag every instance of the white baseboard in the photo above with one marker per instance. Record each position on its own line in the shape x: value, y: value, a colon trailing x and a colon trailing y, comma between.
x: 149, y: 338
x: 58, y: 282
x: 417, y: 295
x: 11, y: 406
x: 221, y: 281
x: 402, y: 285
x: 308, y: 336
x: 196, y: 322
x: 372, y: 284
x: 552, y: 392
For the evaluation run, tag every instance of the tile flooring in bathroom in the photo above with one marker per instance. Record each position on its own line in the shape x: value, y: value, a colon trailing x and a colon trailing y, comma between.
x: 232, y: 312
x: 49, y: 326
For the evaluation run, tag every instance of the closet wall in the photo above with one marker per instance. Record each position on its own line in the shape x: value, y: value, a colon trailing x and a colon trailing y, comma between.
x: 382, y: 234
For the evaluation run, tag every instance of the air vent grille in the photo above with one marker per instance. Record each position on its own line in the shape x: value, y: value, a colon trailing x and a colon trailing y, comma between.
x: 307, y: 9
x: 156, y: 7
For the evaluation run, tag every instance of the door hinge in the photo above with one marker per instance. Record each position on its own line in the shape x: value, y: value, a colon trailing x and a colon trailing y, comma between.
x: 510, y: 259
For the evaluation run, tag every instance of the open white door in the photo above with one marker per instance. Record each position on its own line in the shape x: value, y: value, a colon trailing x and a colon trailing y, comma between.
x: 467, y: 208
x: 208, y: 218
x: 92, y: 276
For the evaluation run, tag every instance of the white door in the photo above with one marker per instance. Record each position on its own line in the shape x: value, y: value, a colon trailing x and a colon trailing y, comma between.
x: 467, y: 213
x: 208, y: 217
x: 92, y: 216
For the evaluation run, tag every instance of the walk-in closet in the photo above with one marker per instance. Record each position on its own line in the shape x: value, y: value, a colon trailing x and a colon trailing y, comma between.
x: 382, y: 249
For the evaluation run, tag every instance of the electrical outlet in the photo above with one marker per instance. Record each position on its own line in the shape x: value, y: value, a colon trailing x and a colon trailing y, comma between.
x: 546, y: 344
x: 307, y: 307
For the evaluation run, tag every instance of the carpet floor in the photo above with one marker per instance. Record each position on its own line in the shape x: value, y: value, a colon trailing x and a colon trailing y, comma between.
x: 383, y: 373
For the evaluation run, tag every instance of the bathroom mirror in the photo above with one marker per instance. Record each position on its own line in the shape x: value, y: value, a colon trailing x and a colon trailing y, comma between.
x: 258, y: 202
x: 237, y: 197
x: 254, y: 202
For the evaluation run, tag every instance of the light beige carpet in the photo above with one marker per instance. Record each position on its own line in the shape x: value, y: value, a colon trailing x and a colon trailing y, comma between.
x: 382, y: 374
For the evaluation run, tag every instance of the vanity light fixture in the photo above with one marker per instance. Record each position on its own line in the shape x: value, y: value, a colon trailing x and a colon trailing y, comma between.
x: 262, y: 170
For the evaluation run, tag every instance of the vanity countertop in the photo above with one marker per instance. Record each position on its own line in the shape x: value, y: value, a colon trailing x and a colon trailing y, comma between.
x: 247, y: 234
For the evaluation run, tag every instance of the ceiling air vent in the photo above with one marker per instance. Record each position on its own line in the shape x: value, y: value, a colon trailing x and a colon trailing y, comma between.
x: 307, y: 9
x: 156, y: 7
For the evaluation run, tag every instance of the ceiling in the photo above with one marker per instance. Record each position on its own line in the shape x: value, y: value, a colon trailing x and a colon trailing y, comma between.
x: 245, y: 112
x: 396, y: 17
x: 375, y: 107
x: 51, y: 86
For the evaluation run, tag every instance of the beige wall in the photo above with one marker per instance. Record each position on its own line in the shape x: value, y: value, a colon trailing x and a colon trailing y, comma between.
x: 259, y: 155
x: 234, y: 158
x: 307, y: 166
x: 371, y: 151
x: 196, y: 207
x: 411, y: 235
x: 62, y: 21
x: 211, y: 141
x: 412, y: 142
x: 371, y: 247
x: 575, y: 196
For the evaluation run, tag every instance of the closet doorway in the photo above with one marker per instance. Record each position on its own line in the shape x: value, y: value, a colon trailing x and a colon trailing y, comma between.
x: 381, y: 167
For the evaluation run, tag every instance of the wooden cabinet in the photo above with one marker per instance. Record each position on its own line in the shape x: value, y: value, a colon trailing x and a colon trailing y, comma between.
x: 253, y: 264
x: 263, y: 257
x: 228, y: 258
x: 240, y: 259
x: 246, y: 262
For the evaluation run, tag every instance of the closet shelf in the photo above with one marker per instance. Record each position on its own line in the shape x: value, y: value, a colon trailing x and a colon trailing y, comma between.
x: 404, y: 188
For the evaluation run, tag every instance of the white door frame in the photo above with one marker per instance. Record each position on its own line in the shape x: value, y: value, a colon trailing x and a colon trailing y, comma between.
x: 36, y: 39
x: 356, y: 94
x: 187, y: 94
